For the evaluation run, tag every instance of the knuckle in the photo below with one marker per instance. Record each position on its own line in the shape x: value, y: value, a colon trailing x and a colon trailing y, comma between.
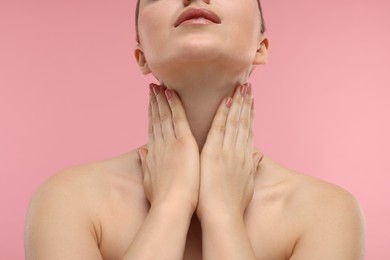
x: 248, y: 100
x: 184, y: 141
x: 150, y: 130
x: 156, y: 120
x: 237, y: 102
x: 165, y: 117
x: 181, y: 140
x: 161, y: 99
x: 177, y: 119
x: 245, y: 124
x: 212, y: 155
x: 225, y: 112
x: 173, y: 104
x: 234, y: 122
x: 220, y: 128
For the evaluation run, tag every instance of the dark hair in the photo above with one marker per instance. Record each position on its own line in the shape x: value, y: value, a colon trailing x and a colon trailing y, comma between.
x: 258, y: 2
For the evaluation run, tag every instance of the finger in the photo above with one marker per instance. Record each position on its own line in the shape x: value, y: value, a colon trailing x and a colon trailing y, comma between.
x: 157, y: 132
x: 142, y: 153
x: 179, y: 118
x: 251, y: 133
x: 216, y: 133
x: 245, y: 121
x: 257, y: 157
x: 165, y: 113
x: 150, y: 122
x: 232, y: 121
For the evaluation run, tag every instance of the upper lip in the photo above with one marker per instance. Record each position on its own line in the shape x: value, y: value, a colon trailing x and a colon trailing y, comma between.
x: 192, y: 13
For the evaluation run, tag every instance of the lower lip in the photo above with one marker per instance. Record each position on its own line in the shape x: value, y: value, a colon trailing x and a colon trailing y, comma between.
x: 197, y: 21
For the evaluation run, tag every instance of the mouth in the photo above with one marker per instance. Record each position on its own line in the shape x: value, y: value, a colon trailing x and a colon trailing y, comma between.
x: 193, y: 13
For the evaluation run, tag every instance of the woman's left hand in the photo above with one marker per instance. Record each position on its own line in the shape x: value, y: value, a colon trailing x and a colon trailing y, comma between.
x: 227, y: 161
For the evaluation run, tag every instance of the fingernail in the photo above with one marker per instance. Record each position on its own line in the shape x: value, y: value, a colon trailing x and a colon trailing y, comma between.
x: 243, y: 90
x: 168, y: 94
x: 156, y: 89
x: 229, y: 102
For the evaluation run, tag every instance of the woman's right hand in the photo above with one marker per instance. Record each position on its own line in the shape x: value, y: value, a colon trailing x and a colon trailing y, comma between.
x: 171, y: 162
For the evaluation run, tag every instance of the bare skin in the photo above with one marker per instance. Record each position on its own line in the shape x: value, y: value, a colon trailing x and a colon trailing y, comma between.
x: 96, y: 211
x: 187, y: 204
x: 110, y: 194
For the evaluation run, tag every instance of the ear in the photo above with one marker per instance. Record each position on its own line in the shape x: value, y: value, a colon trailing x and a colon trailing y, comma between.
x: 141, y: 60
x: 262, y: 52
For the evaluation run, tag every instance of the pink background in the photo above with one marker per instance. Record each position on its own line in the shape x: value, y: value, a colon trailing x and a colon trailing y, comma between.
x: 71, y: 93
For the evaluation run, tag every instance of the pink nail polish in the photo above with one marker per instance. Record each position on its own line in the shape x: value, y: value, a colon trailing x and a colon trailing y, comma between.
x: 156, y: 89
x: 229, y: 102
x: 243, y: 90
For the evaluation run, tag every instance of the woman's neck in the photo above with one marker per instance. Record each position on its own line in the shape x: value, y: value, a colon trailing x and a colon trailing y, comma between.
x: 201, y: 97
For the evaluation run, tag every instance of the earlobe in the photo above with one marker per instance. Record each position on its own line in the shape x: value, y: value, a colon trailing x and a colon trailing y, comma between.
x: 141, y: 60
x: 262, y: 52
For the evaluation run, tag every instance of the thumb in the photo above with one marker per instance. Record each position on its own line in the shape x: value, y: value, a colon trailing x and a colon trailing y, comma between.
x: 257, y: 157
x: 142, y: 153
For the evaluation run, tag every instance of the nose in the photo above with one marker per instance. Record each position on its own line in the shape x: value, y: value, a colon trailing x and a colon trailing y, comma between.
x: 187, y: 2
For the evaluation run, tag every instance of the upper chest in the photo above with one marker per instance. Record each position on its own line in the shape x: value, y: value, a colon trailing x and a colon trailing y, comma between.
x: 270, y: 230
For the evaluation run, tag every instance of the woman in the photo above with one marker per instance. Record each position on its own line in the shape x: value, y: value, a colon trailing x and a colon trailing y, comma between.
x: 198, y: 189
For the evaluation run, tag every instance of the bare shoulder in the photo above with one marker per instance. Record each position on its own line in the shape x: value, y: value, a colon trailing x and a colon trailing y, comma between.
x: 325, y: 201
x: 94, y: 180
x: 330, y: 219
x: 63, y: 217
x: 334, y: 224
x: 303, y: 190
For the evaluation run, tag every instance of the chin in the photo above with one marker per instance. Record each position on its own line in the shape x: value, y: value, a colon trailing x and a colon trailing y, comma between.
x: 197, y: 49
x: 200, y: 54
x: 181, y: 71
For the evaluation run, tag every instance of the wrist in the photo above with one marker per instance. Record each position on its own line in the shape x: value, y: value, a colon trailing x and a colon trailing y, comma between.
x: 173, y: 207
x: 215, y: 215
x: 221, y: 221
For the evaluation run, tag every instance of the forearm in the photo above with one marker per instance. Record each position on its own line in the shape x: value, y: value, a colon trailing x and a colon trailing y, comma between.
x: 162, y: 235
x: 225, y: 237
